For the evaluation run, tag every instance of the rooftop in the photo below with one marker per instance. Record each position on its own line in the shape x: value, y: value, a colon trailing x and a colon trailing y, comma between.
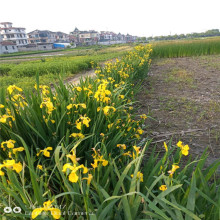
x: 5, y: 23
x: 7, y: 43
x: 12, y: 28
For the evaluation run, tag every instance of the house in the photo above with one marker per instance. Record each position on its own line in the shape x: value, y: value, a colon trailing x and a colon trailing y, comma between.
x: 90, y: 37
x: 16, y: 35
x: 106, y: 36
x: 128, y: 38
x: 74, y: 36
x: 38, y: 36
x: 8, y: 47
x: 62, y: 37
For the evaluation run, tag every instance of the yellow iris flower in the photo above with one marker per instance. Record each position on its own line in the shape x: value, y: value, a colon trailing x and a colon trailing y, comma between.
x: 18, y: 149
x: 9, y: 144
x: 139, y: 176
x: 98, y: 158
x: 123, y: 146
x: 10, y: 164
x: 80, y: 135
x: 76, y: 106
x: 40, y: 167
x: 45, y: 152
x: 73, y: 177
x: 184, y: 148
x: 83, y: 120
x: 56, y: 213
x: 163, y: 187
x: 11, y: 88
x: 172, y: 171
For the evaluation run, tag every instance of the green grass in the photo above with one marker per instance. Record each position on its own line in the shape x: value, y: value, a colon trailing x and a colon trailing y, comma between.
x: 49, y: 69
x: 186, y: 48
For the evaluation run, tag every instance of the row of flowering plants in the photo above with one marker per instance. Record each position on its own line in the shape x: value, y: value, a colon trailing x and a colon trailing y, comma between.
x: 74, y: 152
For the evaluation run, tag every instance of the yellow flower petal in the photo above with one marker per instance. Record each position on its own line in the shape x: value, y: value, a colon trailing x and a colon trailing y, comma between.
x: 9, y: 163
x: 17, y: 167
x: 46, y: 153
x: 165, y: 146
x: 40, y: 167
x: 179, y: 144
x: 85, y: 169
x: 17, y: 149
x: 105, y: 163
x: 73, y: 177
x: 36, y: 212
x: 89, y: 178
x: 66, y: 166
x: 56, y: 213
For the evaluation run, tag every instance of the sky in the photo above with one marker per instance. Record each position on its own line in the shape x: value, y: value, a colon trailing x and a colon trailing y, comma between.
x: 135, y: 17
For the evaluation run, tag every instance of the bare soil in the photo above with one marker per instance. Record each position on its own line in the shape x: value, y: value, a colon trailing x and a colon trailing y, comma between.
x: 182, y: 95
x: 74, y: 80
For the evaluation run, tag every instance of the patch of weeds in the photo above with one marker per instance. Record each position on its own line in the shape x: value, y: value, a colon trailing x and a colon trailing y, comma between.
x: 168, y: 104
x: 214, y: 106
x: 203, y: 115
x: 216, y: 134
x: 149, y: 91
x: 182, y: 77
x: 214, y: 65
x: 162, y: 62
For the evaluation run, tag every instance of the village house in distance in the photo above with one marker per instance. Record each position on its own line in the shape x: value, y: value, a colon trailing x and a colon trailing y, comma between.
x: 15, y: 39
x: 103, y: 38
x: 11, y: 37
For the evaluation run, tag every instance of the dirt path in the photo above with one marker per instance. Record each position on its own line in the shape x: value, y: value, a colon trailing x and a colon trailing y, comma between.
x: 76, y: 78
x: 87, y: 73
x: 182, y: 95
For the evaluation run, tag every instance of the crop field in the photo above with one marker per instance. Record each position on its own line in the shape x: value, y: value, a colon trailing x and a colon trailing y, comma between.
x: 186, y: 48
x: 22, y: 71
x: 98, y: 150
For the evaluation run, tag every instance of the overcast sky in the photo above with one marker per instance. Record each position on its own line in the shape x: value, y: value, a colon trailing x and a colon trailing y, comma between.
x: 136, y: 17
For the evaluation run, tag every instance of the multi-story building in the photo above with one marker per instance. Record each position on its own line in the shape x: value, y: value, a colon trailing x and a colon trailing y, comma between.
x: 120, y: 37
x: 74, y: 36
x: 111, y: 36
x: 38, y: 36
x: 16, y: 35
x: 129, y: 38
x: 84, y: 37
x: 106, y: 36
x: 89, y: 37
x: 62, y: 37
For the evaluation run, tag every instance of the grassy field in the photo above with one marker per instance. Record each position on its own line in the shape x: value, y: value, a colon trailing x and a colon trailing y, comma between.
x: 186, y: 48
x: 23, y: 72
